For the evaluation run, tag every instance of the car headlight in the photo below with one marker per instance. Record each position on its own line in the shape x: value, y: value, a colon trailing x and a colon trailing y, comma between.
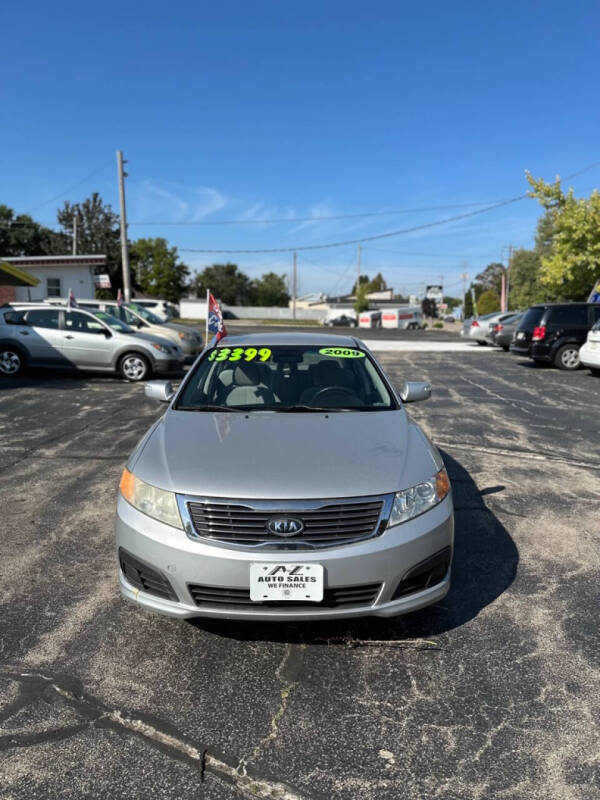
x: 410, y: 503
x: 150, y: 500
x: 161, y: 348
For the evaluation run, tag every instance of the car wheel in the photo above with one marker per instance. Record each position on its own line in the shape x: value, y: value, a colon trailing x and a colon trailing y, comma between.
x: 134, y: 367
x: 353, y: 324
x: 567, y: 357
x: 11, y: 361
x: 505, y: 348
x: 481, y: 344
x: 595, y: 371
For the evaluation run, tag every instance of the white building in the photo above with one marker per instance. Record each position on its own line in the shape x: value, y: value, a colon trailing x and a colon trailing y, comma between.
x: 58, y: 274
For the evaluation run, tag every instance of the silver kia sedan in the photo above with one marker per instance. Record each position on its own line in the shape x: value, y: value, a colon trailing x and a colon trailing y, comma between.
x: 285, y: 481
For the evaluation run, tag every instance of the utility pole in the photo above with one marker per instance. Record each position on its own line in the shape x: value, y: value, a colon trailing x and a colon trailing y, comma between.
x: 510, y: 253
x: 465, y: 278
x: 124, y: 246
x: 294, y: 287
x: 74, y: 234
x: 358, y: 268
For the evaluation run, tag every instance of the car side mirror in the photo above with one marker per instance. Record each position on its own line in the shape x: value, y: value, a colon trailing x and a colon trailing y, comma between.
x: 107, y: 333
x: 159, y: 390
x: 414, y: 391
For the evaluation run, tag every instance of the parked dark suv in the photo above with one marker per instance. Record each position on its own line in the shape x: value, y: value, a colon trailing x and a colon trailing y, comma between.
x: 552, y: 333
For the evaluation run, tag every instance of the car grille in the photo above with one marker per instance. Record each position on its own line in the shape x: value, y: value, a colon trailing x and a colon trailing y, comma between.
x: 329, y: 524
x: 342, y: 596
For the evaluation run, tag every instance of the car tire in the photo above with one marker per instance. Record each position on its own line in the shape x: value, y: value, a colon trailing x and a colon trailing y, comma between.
x: 595, y: 371
x: 134, y: 367
x: 481, y: 344
x: 352, y: 325
x: 505, y: 348
x: 567, y: 357
x: 12, y: 361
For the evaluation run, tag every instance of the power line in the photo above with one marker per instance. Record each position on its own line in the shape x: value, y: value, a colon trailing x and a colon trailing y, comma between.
x: 319, y: 218
x: 376, y: 237
x: 70, y: 189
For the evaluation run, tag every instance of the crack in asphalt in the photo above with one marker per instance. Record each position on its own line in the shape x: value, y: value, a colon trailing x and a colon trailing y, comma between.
x: 157, y: 733
x: 287, y: 672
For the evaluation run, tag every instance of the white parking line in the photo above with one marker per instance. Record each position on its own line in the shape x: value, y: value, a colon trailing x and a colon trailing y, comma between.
x: 428, y: 347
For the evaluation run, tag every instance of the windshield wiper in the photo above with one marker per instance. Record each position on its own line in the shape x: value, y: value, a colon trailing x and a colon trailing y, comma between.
x: 305, y: 408
x: 211, y: 408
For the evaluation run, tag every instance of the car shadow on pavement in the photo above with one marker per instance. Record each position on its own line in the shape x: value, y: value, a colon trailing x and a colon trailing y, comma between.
x: 484, y: 566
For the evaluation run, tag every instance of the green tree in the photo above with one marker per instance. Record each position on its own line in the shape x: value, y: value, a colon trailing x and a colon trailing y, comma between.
x: 157, y: 269
x: 270, y: 290
x: 361, y: 303
x: 452, y: 302
x: 21, y: 235
x: 525, y: 287
x: 364, y: 280
x: 487, y: 302
x: 491, y: 277
x: 571, y: 264
x: 97, y: 232
x: 378, y: 284
x: 226, y: 282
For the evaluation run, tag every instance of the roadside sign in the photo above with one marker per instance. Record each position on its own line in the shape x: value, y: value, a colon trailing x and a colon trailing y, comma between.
x: 102, y: 281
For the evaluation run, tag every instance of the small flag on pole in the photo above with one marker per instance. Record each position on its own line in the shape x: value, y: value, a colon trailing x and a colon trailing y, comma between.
x: 214, y: 320
x: 119, y: 298
x: 595, y: 293
x: 71, y: 302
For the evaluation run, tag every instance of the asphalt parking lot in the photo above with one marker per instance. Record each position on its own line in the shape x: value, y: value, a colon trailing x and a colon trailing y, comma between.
x: 495, y: 693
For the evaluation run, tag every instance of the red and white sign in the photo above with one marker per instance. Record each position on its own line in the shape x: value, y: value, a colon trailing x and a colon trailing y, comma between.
x: 102, y: 281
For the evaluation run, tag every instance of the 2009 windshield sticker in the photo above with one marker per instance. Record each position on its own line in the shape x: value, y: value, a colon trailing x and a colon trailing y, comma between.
x: 240, y: 354
x: 341, y: 352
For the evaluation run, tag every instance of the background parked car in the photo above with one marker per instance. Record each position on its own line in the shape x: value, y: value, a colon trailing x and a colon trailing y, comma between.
x: 342, y: 320
x: 449, y: 318
x: 502, y: 332
x: 479, y: 328
x: 466, y: 326
x: 145, y: 321
x: 589, y: 353
x: 552, y: 333
x: 163, y: 309
x: 42, y: 335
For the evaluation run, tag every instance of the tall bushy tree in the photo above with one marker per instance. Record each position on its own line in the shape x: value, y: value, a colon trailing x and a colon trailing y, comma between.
x: 525, y: 286
x: 21, y: 235
x: 97, y: 231
x: 572, y: 264
x: 270, y: 290
x: 226, y: 282
x: 157, y: 269
x: 491, y: 277
x: 487, y: 302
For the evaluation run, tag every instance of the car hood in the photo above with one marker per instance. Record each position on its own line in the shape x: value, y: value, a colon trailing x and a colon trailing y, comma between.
x: 285, y: 456
x: 183, y: 328
x: 154, y: 339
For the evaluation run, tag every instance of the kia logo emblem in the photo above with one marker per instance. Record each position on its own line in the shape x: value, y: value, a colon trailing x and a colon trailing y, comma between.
x: 285, y: 526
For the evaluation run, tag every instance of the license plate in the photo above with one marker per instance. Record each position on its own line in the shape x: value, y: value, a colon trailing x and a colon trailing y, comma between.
x: 520, y: 335
x: 283, y: 582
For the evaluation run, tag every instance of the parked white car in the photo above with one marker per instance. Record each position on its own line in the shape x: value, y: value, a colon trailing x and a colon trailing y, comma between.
x: 480, y: 327
x: 589, y: 352
x: 164, y: 310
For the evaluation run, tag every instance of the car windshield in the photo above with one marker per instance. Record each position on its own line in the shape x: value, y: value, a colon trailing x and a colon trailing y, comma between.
x: 147, y: 315
x: 286, y: 378
x: 113, y: 322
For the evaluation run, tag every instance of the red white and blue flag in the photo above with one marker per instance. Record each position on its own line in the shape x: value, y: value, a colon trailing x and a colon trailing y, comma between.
x: 119, y: 298
x: 71, y: 302
x: 214, y: 320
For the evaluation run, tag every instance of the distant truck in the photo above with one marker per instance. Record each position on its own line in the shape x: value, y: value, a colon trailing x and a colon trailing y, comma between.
x: 369, y: 319
x: 403, y: 317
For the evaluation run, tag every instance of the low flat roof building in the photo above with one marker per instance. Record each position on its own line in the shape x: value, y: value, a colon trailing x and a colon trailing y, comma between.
x: 57, y: 274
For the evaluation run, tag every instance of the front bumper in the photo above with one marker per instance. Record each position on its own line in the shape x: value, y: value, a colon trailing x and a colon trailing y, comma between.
x: 383, y: 559
x: 590, y: 357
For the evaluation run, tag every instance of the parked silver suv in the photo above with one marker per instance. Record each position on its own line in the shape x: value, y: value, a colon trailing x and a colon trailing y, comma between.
x: 42, y: 335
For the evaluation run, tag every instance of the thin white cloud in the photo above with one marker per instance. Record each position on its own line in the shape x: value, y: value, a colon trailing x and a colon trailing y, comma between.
x: 156, y: 201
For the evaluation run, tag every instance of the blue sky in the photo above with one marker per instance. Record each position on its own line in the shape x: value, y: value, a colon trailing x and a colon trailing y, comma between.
x: 257, y: 109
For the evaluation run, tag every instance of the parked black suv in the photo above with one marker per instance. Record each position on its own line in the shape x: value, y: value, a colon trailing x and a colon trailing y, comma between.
x: 553, y: 332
